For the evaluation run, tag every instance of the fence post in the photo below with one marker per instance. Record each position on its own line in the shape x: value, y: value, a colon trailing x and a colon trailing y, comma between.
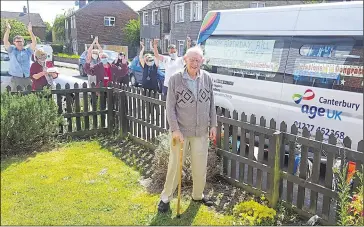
x: 275, y: 165
x: 110, y: 108
x: 123, y: 121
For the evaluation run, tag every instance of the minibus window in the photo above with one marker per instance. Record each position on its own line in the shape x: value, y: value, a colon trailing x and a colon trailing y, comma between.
x: 326, y: 62
x: 317, y: 51
x: 254, y: 57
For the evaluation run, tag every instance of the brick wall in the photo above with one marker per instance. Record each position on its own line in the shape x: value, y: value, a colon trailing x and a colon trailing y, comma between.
x: 90, y: 21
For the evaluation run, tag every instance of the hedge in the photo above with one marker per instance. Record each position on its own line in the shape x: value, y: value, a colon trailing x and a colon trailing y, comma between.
x: 27, y: 122
x: 57, y: 48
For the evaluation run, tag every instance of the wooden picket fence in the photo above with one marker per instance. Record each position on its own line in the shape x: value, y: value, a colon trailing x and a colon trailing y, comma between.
x: 257, y: 157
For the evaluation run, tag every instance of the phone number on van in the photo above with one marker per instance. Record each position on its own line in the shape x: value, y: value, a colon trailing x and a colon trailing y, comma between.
x: 325, y: 131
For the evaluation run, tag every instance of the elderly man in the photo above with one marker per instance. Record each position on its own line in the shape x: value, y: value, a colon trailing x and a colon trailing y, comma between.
x: 191, y: 115
x: 19, y: 57
x: 172, y: 63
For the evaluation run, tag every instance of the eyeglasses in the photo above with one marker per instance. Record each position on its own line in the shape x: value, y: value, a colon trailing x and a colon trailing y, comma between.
x: 18, y: 41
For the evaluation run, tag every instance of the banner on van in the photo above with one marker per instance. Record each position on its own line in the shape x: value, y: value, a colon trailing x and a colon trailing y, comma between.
x: 331, y: 71
x: 240, y: 49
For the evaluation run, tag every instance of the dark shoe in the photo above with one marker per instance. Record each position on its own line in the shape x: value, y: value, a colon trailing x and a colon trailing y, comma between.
x: 163, y: 207
x: 205, y: 201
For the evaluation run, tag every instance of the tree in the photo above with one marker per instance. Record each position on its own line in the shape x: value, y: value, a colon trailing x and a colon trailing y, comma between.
x: 132, y: 32
x: 48, y: 36
x: 17, y: 28
x: 58, y: 29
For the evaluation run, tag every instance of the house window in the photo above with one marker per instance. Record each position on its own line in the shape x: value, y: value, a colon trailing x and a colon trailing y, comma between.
x: 155, y: 17
x: 257, y: 4
x: 73, y: 22
x: 166, y: 43
x: 145, y: 18
x: 196, y: 10
x: 181, y: 47
x: 180, y: 12
x: 109, y: 21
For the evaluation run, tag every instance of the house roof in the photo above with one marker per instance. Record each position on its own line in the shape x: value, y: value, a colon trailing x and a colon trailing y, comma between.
x: 35, y: 18
x: 90, y: 3
x: 155, y: 4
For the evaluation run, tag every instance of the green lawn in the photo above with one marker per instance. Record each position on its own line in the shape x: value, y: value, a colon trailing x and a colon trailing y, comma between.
x: 83, y: 184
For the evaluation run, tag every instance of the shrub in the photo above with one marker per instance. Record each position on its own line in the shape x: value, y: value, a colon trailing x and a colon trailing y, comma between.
x: 28, y: 39
x: 57, y: 48
x: 253, y: 213
x: 160, y: 165
x: 72, y: 56
x: 27, y: 122
x: 350, y: 209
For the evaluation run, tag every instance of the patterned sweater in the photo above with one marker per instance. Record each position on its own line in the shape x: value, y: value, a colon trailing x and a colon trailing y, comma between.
x: 191, y: 115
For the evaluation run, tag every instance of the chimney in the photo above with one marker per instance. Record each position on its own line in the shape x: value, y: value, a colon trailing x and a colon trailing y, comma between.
x: 25, y: 10
x: 81, y: 3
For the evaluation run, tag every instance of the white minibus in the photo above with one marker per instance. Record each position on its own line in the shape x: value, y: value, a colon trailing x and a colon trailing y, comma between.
x: 301, y: 64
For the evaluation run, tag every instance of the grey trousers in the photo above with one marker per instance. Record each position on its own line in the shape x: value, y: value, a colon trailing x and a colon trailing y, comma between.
x: 20, y: 81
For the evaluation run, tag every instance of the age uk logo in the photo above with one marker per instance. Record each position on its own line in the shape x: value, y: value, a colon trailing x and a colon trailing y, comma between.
x: 313, y: 111
x: 308, y: 95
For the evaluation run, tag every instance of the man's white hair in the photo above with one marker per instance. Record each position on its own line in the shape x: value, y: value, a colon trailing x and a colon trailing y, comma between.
x: 194, y: 50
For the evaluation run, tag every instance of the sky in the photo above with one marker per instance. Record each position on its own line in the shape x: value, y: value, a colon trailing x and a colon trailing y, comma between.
x: 49, y: 9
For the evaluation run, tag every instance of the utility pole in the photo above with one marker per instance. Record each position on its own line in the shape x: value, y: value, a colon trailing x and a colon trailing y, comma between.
x: 28, y: 11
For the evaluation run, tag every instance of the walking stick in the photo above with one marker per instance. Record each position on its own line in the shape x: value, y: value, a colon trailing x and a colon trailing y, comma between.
x: 179, y: 180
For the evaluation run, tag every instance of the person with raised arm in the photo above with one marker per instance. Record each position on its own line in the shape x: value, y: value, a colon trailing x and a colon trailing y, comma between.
x: 172, y: 63
x: 19, y: 68
x: 150, y: 66
x: 94, y: 58
x: 122, y: 63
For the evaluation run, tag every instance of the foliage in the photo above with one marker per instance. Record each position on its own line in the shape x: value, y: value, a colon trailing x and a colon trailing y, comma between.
x: 160, y: 165
x: 57, y: 48
x: 58, y: 29
x: 82, y: 183
x: 27, y: 122
x: 286, y: 215
x: 63, y: 55
x: 350, y: 210
x: 253, y: 213
x: 313, y: 1
x: 356, y: 207
x: 48, y: 36
x: 28, y: 39
x: 132, y: 32
x: 344, y: 195
x: 17, y: 28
